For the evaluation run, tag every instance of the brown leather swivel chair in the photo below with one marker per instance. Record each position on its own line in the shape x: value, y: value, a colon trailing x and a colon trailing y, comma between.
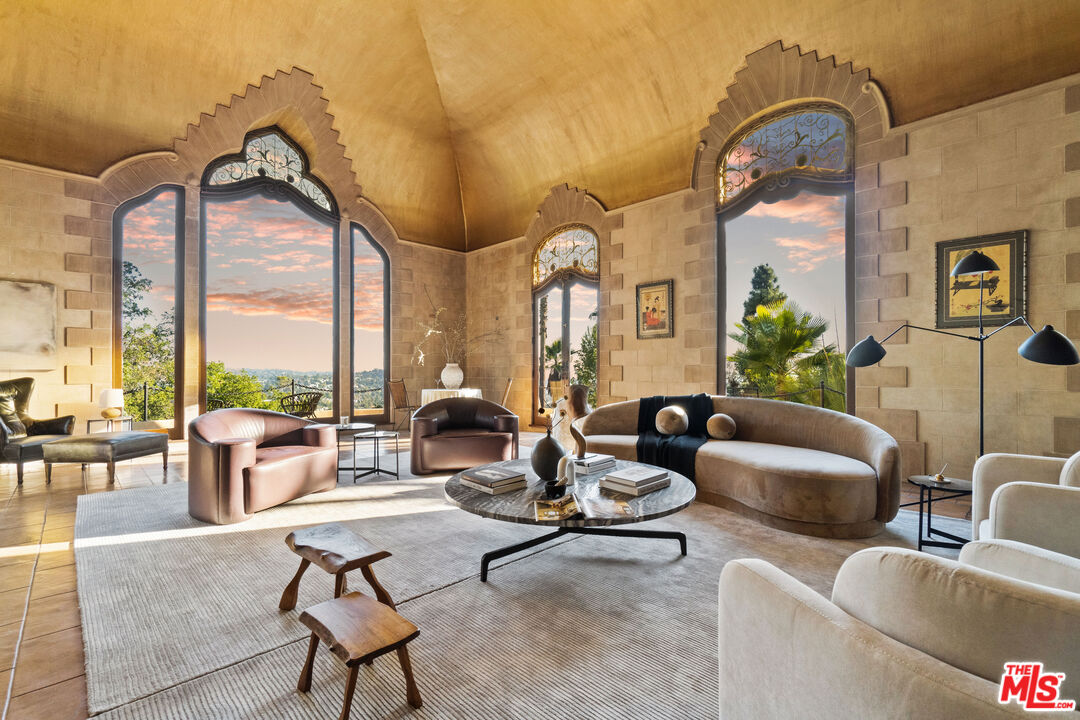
x: 243, y: 460
x: 22, y: 443
x: 459, y: 433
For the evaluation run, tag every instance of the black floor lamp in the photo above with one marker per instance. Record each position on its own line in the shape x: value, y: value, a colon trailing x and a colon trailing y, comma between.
x: 1046, y: 346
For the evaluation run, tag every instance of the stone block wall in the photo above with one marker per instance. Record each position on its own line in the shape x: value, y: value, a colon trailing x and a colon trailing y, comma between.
x: 1006, y: 164
x: 54, y: 229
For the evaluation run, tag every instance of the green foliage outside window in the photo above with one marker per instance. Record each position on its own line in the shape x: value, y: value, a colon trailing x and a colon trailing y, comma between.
x: 783, y: 352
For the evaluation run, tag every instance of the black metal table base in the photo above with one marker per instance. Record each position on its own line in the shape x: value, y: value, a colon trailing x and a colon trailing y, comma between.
x: 927, y: 499
x: 488, y: 557
x: 360, y: 471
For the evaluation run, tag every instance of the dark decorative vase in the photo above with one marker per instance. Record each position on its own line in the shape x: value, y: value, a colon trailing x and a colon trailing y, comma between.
x: 545, y: 458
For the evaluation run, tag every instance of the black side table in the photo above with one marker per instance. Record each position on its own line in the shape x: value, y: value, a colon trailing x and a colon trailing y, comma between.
x: 953, y: 488
x: 376, y: 467
x: 352, y: 427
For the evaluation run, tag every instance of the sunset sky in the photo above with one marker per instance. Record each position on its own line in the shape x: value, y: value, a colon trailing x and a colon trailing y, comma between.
x: 270, y: 290
x: 269, y: 297
x: 803, y: 239
x: 150, y: 242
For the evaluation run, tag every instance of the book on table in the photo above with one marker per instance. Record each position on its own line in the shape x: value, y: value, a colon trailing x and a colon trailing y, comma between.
x: 492, y: 475
x: 494, y: 489
x: 602, y: 506
x: 594, y: 463
x: 635, y: 490
x: 593, y: 459
x: 636, y: 475
x: 569, y: 506
x: 556, y: 509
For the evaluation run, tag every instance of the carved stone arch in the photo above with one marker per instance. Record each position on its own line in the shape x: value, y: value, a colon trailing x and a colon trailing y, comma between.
x: 295, y: 103
x: 775, y: 76
x: 565, y: 205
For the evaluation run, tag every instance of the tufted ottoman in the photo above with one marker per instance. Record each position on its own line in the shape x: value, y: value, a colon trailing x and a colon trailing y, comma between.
x: 109, y: 448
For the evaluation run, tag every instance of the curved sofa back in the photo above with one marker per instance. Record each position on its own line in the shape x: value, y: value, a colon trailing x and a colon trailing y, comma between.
x: 265, y: 427
x: 461, y: 412
x: 785, y: 423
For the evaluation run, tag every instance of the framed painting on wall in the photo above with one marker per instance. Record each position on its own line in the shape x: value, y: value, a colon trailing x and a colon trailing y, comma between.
x: 655, y: 310
x: 1004, y: 291
x: 27, y: 325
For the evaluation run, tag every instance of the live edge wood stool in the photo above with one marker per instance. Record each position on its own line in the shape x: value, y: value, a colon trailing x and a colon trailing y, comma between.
x: 358, y: 629
x: 337, y: 550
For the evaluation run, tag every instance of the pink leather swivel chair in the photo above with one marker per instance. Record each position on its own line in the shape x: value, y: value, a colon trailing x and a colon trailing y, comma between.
x: 459, y: 433
x: 243, y: 460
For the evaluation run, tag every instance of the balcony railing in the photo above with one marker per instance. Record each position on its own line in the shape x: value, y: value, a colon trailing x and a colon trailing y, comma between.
x: 137, y: 398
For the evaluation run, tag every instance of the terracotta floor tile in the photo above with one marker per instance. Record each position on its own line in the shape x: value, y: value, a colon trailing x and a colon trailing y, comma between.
x: 63, y: 701
x: 12, y: 603
x: 53, y: 581
x: 28, y: 535
x: 9, y: 637
x: 49, y: 659
x: 51, y: 614
x: 5, y: 678
x: 56, y: 558
x: 62, y: 534
x: 16, y: 575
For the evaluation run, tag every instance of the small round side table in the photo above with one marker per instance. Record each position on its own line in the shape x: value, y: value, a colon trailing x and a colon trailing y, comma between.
x: 954, y: 488
x: 376, y: 466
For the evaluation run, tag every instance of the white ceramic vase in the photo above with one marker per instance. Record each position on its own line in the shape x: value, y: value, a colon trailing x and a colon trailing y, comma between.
x: 452, y: 376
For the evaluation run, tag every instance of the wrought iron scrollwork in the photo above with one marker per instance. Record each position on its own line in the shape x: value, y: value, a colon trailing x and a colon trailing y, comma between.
x: 571, y: 249
x: 809, y: 140
x: 269, y: 155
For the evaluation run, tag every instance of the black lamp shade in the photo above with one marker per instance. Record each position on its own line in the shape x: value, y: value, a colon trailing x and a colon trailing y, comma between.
x: 866, y: 352
x: 1048, y: 347
x: 973, y: 264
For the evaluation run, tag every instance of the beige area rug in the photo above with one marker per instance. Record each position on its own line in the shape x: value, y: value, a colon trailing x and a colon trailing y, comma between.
x: 180, y: 618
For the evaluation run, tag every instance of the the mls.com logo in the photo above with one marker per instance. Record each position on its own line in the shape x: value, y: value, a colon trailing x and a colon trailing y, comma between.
x: 1026, y: 683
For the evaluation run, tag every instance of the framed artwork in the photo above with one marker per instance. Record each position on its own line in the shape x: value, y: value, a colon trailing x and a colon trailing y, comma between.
x: 655, y: 310
x: 1004, y: 292
x: 28, y: 337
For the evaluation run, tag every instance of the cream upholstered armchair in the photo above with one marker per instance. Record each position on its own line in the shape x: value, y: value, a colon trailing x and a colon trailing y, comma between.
x: 1027, y: 498
x: 906, y: 634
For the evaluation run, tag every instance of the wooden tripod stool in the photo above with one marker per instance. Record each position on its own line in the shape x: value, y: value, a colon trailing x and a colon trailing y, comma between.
x: 358, y: 629
x: 337, y: 550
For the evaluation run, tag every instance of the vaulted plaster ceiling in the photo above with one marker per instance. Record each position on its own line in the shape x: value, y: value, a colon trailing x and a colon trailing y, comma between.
x: 460, y: 115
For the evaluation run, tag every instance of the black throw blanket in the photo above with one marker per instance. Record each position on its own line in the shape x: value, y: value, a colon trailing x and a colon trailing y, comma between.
x: 674, y: 452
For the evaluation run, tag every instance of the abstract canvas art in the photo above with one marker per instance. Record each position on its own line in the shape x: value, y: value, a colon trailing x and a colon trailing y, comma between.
x: 27, y: 325
x: 1004, y: 291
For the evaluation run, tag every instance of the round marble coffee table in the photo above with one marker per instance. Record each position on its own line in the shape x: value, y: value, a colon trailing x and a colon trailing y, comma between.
x: 517, y: 507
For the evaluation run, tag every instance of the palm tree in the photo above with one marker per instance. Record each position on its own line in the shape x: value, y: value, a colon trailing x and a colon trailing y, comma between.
x: 780, y: 346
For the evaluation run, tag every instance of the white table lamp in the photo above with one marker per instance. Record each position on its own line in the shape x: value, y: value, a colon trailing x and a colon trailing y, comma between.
x: 111, y: 401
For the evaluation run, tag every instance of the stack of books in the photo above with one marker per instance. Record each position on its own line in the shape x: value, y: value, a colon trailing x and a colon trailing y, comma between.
x: 636, y: 480
x: 493, y: 480
x: 594, y: 463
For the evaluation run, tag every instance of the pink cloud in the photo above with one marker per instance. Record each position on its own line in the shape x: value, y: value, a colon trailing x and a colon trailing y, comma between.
x: 298, y: 302
x: 806, y: 253
x: 821, y: 210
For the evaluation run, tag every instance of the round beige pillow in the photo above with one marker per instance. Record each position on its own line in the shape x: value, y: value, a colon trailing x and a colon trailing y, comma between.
x: 721, y: 427
x: 672, y: 420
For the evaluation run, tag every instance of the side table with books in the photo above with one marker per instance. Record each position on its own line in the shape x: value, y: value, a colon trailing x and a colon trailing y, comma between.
x: 627, y: 493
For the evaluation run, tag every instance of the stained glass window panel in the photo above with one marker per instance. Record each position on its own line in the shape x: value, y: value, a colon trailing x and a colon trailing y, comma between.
x: 812, y: 143
x: 270, y: 156
x: 572, y: 249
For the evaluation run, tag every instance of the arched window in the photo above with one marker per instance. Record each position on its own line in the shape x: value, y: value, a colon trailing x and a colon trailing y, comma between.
x: 370, y: 325
x: 269, y: 278
x: 566, y: 290
x: 147, y: 240
x: 811, y: 141
x: 785, y: 258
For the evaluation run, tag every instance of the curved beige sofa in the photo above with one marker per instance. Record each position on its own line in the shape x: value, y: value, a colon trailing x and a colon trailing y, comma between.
x: 795, y: 467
